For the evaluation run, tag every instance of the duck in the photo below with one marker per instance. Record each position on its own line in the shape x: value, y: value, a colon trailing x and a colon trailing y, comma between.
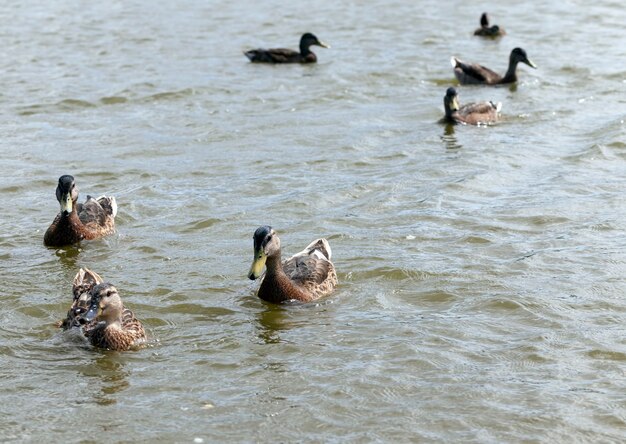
x: 98, y: 311
x: 305, y: 277
x: 481, y: 113
x: 76, y: 222
x: 488, y: 31
x: 282, y: 55
x: 472, y: 73
x: 110, y: 325
x: 84, y: 281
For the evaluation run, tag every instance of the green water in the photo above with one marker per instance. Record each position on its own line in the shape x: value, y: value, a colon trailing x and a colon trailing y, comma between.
x: 481, y: 270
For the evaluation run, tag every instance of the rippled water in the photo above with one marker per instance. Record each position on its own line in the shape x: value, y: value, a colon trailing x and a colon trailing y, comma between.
x: 481, y: 270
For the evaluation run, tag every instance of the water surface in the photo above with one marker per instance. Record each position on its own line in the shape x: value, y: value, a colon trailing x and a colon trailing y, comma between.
x: 481, y: 269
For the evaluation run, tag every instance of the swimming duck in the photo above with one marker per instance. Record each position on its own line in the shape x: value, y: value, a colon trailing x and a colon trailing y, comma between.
x: 91, y: 220
x: 471, y: 73
x: 481, y: 113
x: 488, y: 31
x: 109, y: 324
x: 305, y: 277
x: 84, y: 281
x: 282, y: 55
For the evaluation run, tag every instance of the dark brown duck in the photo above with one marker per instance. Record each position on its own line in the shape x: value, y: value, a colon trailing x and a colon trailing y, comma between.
x: 488, y: 31
x: 75, y: 222
x: 283, y: 55
x: 305, y: 277
x: 472, y: 73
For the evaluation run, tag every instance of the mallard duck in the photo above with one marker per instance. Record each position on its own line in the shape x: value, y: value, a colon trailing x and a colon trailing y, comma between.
x: 471, y: 73
x: 84, y: 281
x: 282, y: 55
x: 488, y: 31
x: 306, y: 276
x: 91, y: 220
x: 481, y: 113
x: 98, y: 310
x: 109, y: 324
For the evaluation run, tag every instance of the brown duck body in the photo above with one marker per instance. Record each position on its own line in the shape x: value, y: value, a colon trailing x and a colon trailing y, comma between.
x: 76, y: 222
x: 480, y: 113
x: 304, y: 277
x: 119, y: 336
x: 491, y: 31
x: 284, y: 55
x: 91, y: 220
x: 280, y: 55
x: 473, y: 73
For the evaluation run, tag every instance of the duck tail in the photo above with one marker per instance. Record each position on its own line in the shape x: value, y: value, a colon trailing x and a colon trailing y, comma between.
x: 84, y: 281
x: 109, y: 204
x: 321, y: 247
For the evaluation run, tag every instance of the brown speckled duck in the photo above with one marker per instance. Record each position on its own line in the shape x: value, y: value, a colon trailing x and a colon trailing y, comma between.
x: 488, y: 31
x: 481, y: 113
x: 98, y: 310
x: 305, y: 277
x: 282, y: 55
x: 91, y: 220
x: 472, y: 73
x: 116, y: 327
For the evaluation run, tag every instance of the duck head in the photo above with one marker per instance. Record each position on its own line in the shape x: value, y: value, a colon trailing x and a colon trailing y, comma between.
x: 67, y: 193
x: 450, y: 101
x: 519, y: 55
x: 308, y: 40
x: 106, y: 305
x: 266, y: 244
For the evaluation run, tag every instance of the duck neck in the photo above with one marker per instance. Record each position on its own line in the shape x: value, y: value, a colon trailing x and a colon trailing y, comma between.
x: 115, y: 325
x: 274, y: 265
x: 449, y: 111
x: 305, y: 49
x: 510, y: 75
x: 71, y: 223
x: 276, y: 286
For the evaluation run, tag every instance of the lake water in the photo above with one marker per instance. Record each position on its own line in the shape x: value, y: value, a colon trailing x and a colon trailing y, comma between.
x: 482, y: 270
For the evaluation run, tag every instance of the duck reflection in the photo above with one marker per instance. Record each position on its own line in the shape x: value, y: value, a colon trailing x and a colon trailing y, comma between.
x: 68, y: 257
x: 449, y: 137
x: 109, y: 368
x: 272, y: 321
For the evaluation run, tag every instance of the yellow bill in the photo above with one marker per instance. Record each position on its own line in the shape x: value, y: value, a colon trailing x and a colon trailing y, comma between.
x: 66, y: 203
x: 257, y: 265
x: 454, y: 105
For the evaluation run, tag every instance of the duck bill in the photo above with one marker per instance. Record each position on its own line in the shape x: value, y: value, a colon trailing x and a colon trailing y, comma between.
x: 530, y: 63
x: 257, y: 265
x: 91, y: 314
x: 323, y: 45
x: 66, y: 203
x: 454, y: 104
